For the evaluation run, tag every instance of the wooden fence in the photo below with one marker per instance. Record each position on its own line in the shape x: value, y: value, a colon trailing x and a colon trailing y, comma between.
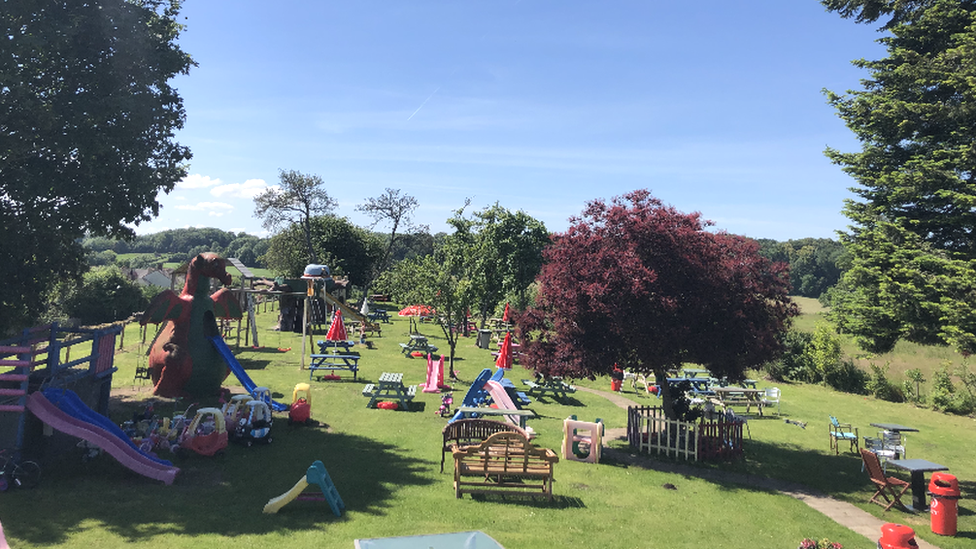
x: 648, y: 430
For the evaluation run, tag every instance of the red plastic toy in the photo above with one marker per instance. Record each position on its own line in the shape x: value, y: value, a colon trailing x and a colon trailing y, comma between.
x: 300, y: 410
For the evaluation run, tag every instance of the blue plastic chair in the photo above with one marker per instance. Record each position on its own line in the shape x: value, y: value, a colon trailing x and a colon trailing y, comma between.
x: 842, y: 431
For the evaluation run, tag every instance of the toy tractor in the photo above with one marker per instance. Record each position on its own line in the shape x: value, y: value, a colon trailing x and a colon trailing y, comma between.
x: 300, y: 410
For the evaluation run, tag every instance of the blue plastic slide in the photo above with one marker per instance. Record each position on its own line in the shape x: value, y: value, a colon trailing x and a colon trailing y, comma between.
x: 238, y: 370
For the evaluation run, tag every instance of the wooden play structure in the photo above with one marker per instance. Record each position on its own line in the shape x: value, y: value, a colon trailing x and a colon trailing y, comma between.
x: 79, y: 358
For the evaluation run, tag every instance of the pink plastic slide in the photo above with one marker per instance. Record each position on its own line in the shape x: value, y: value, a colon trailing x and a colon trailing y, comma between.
x: 435, y: 376
x: 501, y: 399
x: 128, y: 456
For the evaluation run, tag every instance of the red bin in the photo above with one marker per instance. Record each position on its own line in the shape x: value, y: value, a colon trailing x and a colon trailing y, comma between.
x: 897, y: 536
x: 944, y: 489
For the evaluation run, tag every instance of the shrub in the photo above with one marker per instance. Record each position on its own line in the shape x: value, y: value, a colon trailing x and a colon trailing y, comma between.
x: 943, y: 391
x: 881, y: 387
x: 847, y: 377
x: 913, y: 386
x: 794, y: 364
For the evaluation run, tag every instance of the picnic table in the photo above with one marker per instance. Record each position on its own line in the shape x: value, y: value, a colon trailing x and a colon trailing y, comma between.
x: 739, y: 396
x: 417, y: 343
x: 692, y: 372
x: 333, y: 362
x: 549, y: 385
x: 917, y: 468
x: 390, y: 386
x: 379, y: 315
x: 330, y: 346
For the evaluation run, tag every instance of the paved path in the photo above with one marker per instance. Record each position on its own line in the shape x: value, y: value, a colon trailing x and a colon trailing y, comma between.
x: 843, y: 513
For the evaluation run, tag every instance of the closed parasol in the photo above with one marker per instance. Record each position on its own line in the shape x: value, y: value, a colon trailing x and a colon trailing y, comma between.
x: 505, y: 353
x: 337, y: 331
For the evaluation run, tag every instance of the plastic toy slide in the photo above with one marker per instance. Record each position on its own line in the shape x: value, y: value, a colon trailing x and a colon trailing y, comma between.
x: 316, y: 474
x: 476, y: 393
x: 118, y: 447
x: 238, y: 370
x: 500, y: 397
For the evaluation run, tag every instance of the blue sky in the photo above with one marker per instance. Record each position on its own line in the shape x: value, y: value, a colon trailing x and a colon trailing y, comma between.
x: 537, y: 105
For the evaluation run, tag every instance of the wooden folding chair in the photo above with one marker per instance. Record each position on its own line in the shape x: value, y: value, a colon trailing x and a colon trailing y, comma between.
x: 887, y: 486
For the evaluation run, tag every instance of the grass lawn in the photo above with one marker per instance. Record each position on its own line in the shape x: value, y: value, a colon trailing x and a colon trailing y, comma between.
x: 385, y: 465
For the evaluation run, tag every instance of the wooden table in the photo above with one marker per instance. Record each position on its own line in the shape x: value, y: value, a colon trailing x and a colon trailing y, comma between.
x: 475, y: 411
x: 390, y: 386
x: 550, y: 385
x: 918, y: 468
x: 738, y: 396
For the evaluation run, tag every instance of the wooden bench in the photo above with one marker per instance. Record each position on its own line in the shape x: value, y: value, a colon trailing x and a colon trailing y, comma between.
x: 349, y: 363
x: 465, y: 432
x: 502, y: 464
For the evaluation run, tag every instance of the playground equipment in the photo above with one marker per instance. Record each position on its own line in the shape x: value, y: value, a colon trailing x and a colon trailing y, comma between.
x: 181, y: 361
x: 241, y: 374
x: 317, y: 475
x: 64, y: 410
x: 206, y: 434
x: 582, y: 440
x: 300, y: 410
x: 435, y: 376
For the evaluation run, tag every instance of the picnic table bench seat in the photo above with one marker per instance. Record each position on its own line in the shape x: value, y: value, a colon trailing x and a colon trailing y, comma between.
x: 506, y: 462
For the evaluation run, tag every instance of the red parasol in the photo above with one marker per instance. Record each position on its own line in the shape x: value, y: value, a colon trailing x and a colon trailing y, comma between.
x: 505, y: 353
x: 505, y: 316
x: 337, y: 331
x: 416, y: 310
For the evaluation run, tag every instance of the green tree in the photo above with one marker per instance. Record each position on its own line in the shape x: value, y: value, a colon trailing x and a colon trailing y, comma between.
x: 295, y: 202
x: 506, y: 255
x: 102, y: 295
x: 440, y: 281
x: 913, y: 238
x: 87, y: 124
x: 347, y: 249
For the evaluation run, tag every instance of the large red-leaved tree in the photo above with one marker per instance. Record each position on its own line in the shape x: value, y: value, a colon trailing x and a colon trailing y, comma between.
x: 639, y: 283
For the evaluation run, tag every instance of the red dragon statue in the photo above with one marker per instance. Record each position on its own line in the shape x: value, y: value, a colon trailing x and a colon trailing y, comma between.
x: 182, y: 360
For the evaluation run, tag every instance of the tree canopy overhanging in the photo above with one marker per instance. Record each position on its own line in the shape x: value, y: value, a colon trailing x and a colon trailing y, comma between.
x: 912, y: 241
x: 87, y: 123
x: 640, y: 284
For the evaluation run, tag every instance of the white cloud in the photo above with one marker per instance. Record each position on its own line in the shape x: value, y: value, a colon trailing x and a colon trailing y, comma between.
x: 204, y: 206
x: 197, y: 181
x: 247, y: 189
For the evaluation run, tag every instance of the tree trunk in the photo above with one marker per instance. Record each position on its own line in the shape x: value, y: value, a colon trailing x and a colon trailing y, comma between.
x: 666, y: 398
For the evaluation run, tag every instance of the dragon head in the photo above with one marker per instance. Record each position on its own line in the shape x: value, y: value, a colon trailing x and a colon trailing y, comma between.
x: 211, y: 265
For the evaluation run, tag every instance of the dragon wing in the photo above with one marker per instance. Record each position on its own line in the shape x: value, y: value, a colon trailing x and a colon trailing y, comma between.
x: 226, y: 304
x: 165, y: 306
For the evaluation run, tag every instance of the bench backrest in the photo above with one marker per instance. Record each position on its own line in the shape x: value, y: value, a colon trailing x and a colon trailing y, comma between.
x: 510, y: 451
x: 473, y: 431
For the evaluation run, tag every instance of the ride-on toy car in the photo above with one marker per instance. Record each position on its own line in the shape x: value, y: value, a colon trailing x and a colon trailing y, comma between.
x: 206, y: 434
x: 300, y: 410
x: 255, y: 425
